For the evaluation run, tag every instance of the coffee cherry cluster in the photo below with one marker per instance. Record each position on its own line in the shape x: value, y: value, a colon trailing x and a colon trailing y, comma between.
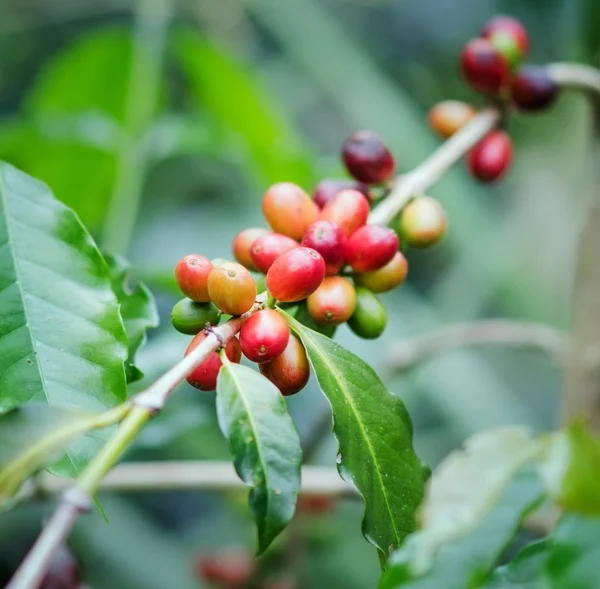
x: 319, y: 256
x: 492, y: 64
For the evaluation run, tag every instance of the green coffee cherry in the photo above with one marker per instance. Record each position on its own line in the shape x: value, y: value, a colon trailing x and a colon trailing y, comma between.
x: 369, y: 318
x: 190, y: 318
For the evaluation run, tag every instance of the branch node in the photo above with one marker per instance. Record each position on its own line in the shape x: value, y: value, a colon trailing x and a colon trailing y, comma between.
x: 209, y: 329
x: 79, y: 499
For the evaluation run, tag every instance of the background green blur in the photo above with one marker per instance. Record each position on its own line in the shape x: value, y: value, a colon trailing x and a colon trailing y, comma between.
x: 257, y: 91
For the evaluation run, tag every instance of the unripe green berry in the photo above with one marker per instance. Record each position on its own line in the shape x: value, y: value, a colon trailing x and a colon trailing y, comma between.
x: 190, y: 317
x: 369, y: 318
x: 423, y: 222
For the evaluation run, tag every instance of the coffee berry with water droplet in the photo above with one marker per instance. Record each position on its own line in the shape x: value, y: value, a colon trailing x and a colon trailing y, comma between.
x: 387, y: 277
x: 484, y: 67
x: 267, y: 248
x: 448, y: 116
x: 348, y: 209
x: 288, y: 209
x: 191, y: 274
x: 533, y: 89
x: 491, y: 157
x: 191, y: 318
x: 371, y: 247
x: 330, y: 241
x: 333, y: 302
x: 327, y: 189
x: 204, y: 376
x: 423, y: 222
x: 232, y: 288
x: 367, y: 159
x: 243, y: 242
x: 264, y: 336
x: 369, y: 318
x: 290, y: 371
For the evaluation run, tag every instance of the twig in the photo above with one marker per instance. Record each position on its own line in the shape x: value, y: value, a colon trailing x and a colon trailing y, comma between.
x: 404, y: 355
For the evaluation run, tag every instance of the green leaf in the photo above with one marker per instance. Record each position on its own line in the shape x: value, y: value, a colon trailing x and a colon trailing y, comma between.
x: 573, y: 559
x: 524, y: 571
x: 236, y: 98
x: 62, y: 339
x: 265, y: 446
x: 570, y: 470
x: 467, y: 562
x: 138, y: 310
x: 374, y: 433
x: 32, y: 435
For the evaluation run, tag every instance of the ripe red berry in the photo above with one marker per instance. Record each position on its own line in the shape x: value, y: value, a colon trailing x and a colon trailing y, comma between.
x: 333, y: 302
x: 423, y: 222
x: 330, y: 241
x: 371, y: 247
x: 327, y: 189
x: 204, y: 376
x: 448, y: 116
x: 491, y: 157
x: 533, y: 89
x: 288, y: 209
x: 484, y: 67
x: 367, y: 158
x: 191, y: 274
x: 242, y: 243
x: 386, y: 278
x: 230, y: 569
x: 349, y: 209
x: 296, y: 274
x: 315, y: 504
x: 509, y: 26
x: 267, y: 248
x: 290, y: 371
x: 264, y: 336
x: 232, y: 288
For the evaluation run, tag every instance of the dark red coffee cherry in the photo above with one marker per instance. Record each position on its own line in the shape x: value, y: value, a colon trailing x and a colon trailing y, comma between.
x: 484, y: 67
x: 533, y: 89
x: 296, y: 274
x: 329, y: 240
x: 191, y: 274
x: 327, y: 189
x: 230, y: 569
x: 264, y: 336
x: 232, y: 288
x: 267, y: 248
x: 387, y: 277
x: 288, y: 209
x: 367, y: 158
x: 204, y: 376
x: 510, y: 27
x: 333, y: 302
x: 371, y: 247
x: 243, y: 242
x: 491, y: 157
x: 349, y: 209
x: 290, y: 371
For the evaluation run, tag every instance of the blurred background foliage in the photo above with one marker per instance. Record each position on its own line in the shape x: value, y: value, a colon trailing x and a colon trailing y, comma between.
x: 161, y: 123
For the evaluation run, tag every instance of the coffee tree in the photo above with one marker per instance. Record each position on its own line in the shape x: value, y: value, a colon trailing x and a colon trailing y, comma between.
x: 71, y: 326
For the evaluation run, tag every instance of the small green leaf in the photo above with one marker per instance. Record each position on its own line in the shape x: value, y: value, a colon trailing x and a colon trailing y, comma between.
x: 573, y: 559
x: 137, y: 308
x: 467, y: 562
x: 62, y: 340
x: 265, y: 446
x: 374, y: 432
x: 524, y: 571
x: 32, y: 435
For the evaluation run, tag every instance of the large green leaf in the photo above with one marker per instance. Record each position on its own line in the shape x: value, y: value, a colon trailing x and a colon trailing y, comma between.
x: 234, y: 96
x: 524, y: 571
x: 265, y: 446
x: 467, y: 562
x: 573, y: 559
x: 138, y: 310
x: 30, y: 436
x: 374, y: 433
x: 62, y: 340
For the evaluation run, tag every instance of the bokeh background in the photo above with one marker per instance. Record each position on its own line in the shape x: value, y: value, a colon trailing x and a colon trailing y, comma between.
x: 162, y: 122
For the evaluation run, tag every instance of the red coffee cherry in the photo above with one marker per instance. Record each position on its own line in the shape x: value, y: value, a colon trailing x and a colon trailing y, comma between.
x: 533, y: 89
x: 367, y: 158
x: 423, y: 222
x: 315, y: 504
x: 288, y: 209
x: 510, y: 27
x: 330, y: 241
x: 491, y: 157
x: 295, y: 275
x: 484, y: 67
x: 333, y: 302
x: 386, y: 278
x: 264, y: 336
x: 204, y: 376
x: 448, y: 116
x: 242, y: 243
x: 327, y: 189
x: 290, y: 371
x: 349, y: 209
x: 191, y: 274
x: 231, y: 569
x: 232, y: 288
x: 371, y: 247
x: 267, y: 248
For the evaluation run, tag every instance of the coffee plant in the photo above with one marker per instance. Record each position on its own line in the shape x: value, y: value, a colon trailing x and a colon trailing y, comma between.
x: 71, y: 325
